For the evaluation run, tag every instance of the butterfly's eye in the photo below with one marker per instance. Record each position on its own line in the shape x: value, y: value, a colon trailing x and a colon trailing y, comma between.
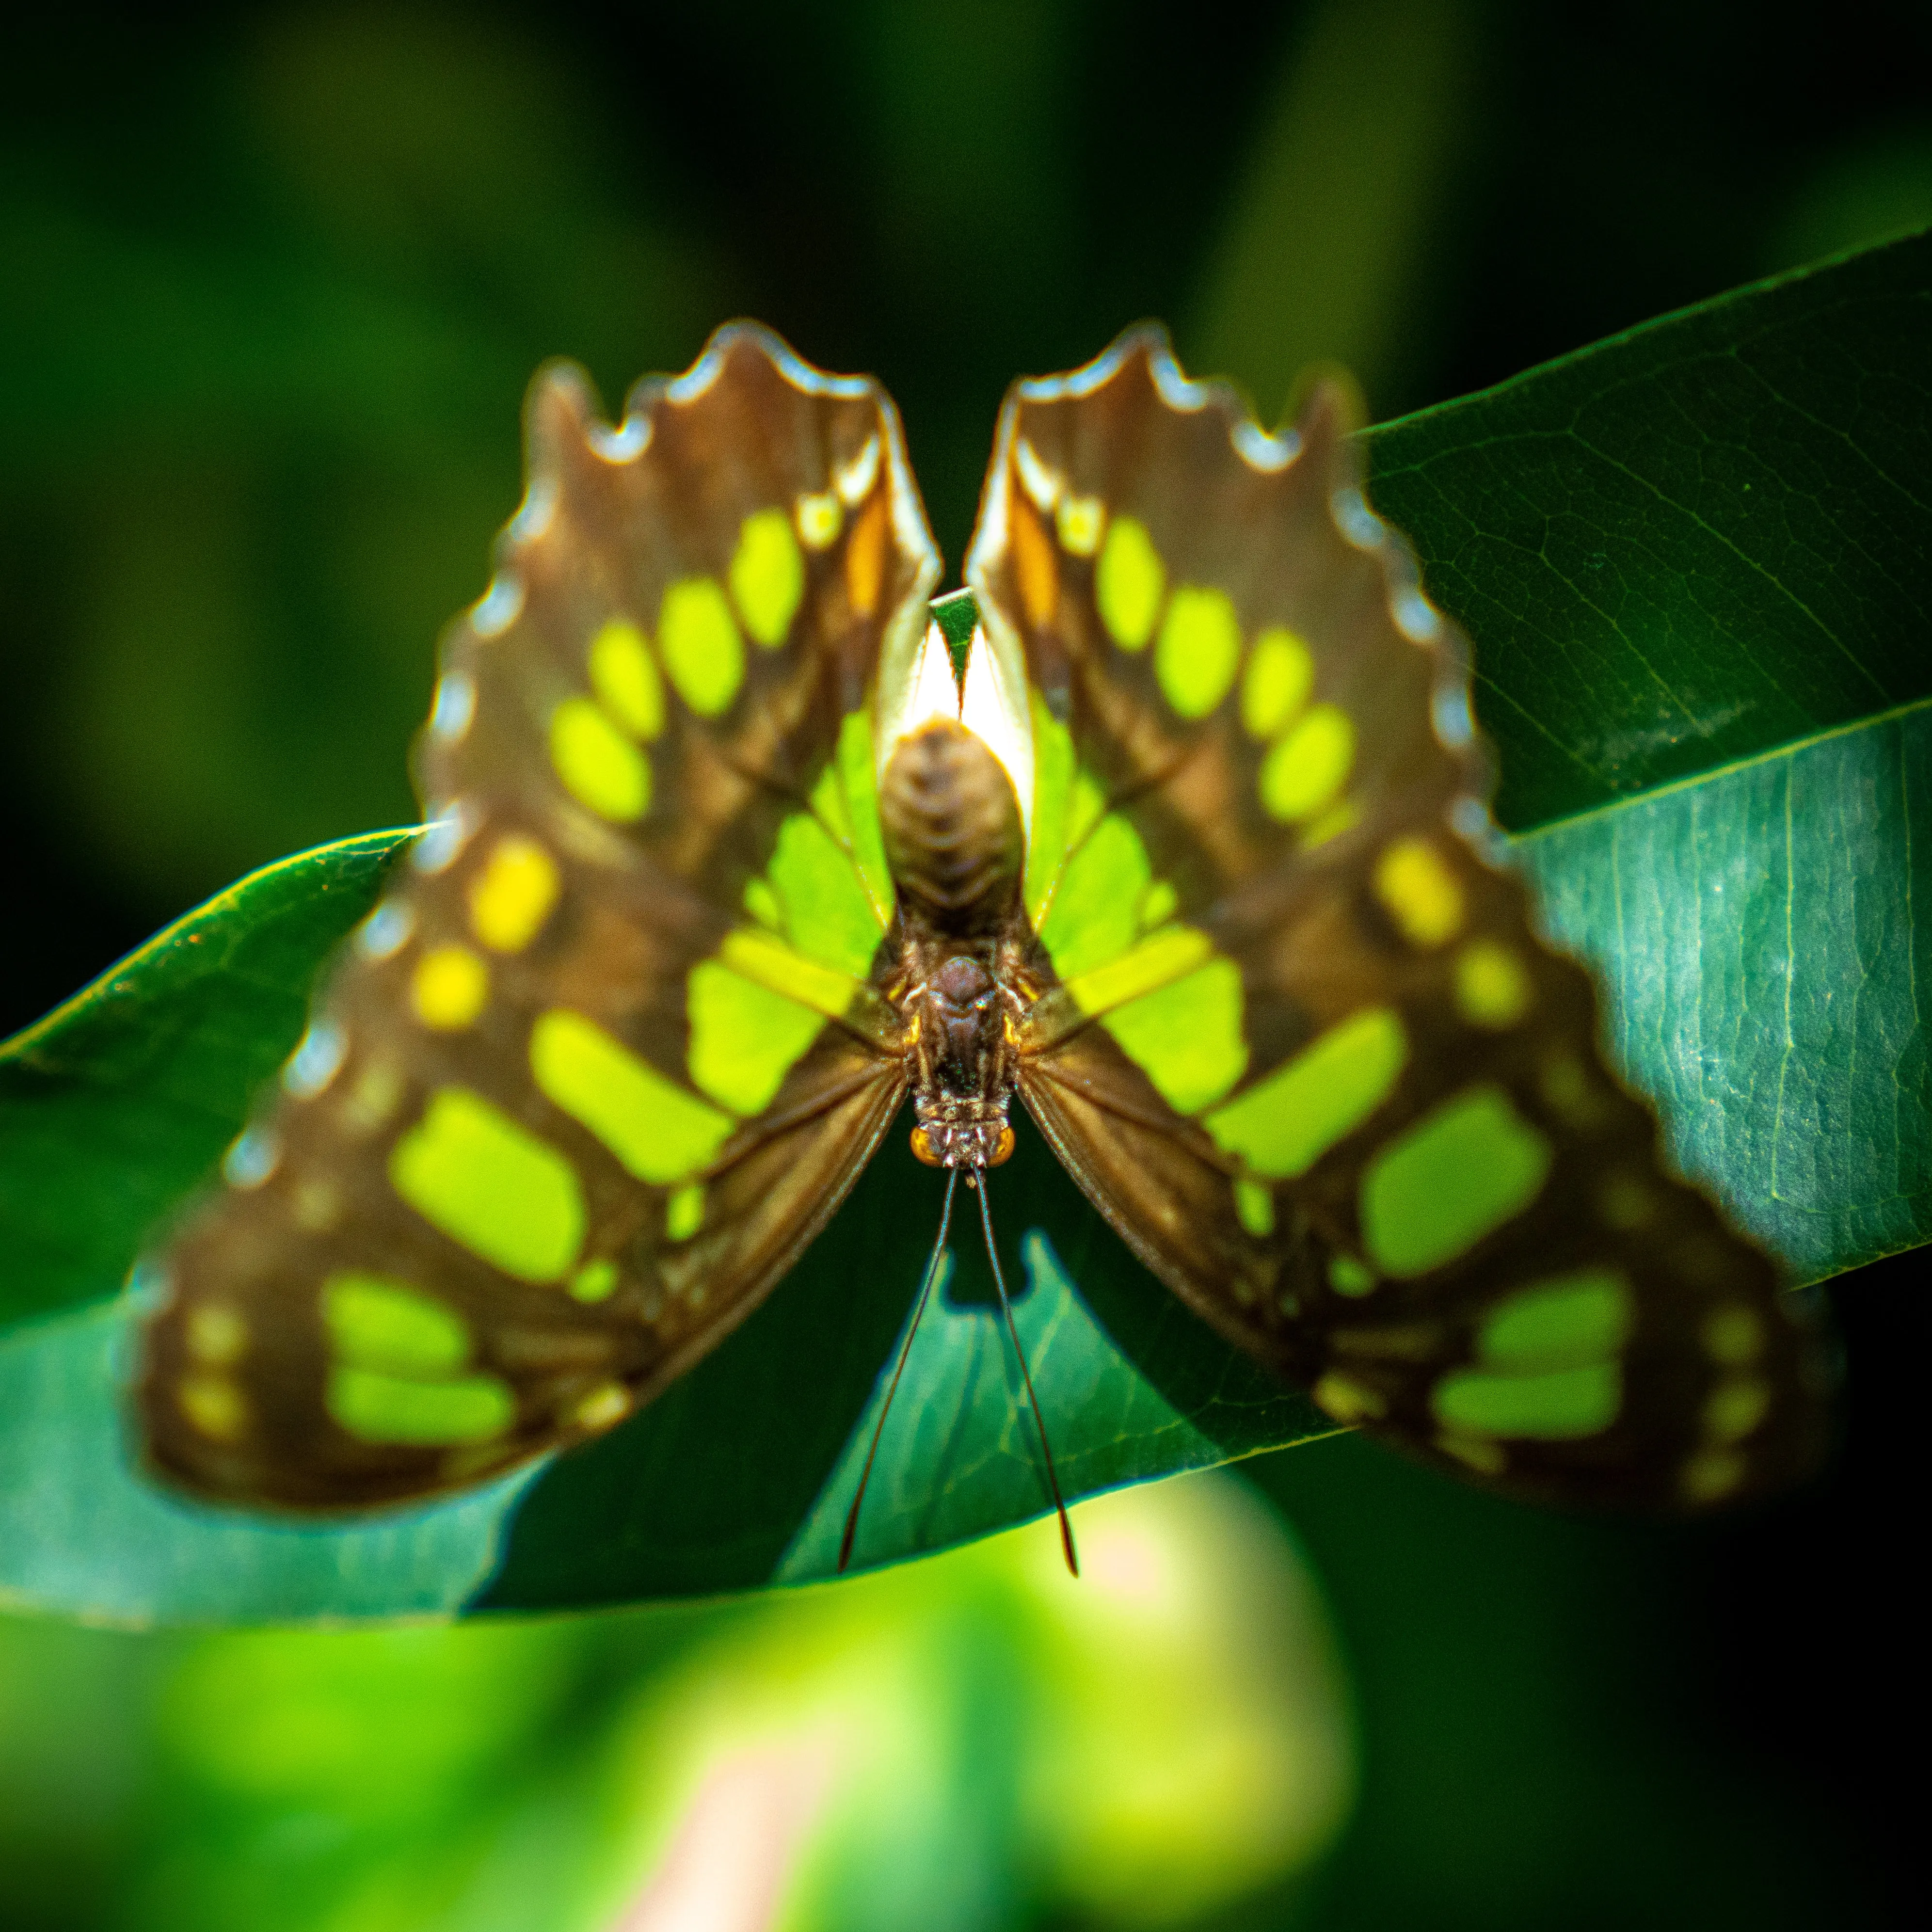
x: 922, y: 1145
x: 1003, y: 1152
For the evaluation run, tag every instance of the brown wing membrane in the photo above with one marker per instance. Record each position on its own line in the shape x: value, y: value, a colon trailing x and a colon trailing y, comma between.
x: 1400, y: 1171
x: 549, y: 1138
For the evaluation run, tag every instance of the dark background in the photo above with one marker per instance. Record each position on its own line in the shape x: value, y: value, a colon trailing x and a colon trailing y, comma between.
x: 275, y: 279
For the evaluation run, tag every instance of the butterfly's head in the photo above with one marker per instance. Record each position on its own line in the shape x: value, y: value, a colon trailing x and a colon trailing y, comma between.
x: 963, y: 1144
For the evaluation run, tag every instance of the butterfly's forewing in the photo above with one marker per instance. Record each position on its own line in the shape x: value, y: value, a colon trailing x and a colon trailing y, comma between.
x: 1306, y: 1050
x: 585, y: 1084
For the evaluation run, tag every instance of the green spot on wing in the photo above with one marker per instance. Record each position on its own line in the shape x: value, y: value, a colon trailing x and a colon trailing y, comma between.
x: 859, y: 782
x: 704, y: 655
x: 1459, y: 1174
x: 825, y: 911
x: 625, y: 679
x: 1556, y: 1406
x: 767, y: 576
x: 1129, y: 583
x: 491, y: 1185
x: 656, y: 1130
x: 1092, y: 919
x: 376, y: 1323
x: 1199, y: 651
x: 1052, y: 790
x: 1187, y: 1037
x: 745, y: 1039
x: 1563, y: 1322
x: 600, y: 767
x: 377, y: 1408
x: 1284, y: 1123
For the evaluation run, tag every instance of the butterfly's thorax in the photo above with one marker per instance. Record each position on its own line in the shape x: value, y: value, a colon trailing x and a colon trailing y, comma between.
x: 953, y: 838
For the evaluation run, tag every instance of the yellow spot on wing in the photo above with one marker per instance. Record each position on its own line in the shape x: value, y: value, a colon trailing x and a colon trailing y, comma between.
x: 1475, y: 1452
x: 606, y: 1403
x: 1348, y: 1400
x: 1129, y: 584
x: 1459, y: 1174
x: 625, y: 680
x: 1304, y: 771
x: 767, y: 576
x: 1279, y: 675
x: 766, y: 961
x: 218, y: 1336
x: 704, y: 655
x: 1736, y: 1407
x: 600, y: 767
x: 1492, y: 987
x: 1710, y: 1475
x: 1078, y: 522
x: 819, y: 517
x: 1421, y: 894
x: 491, y: 1185
x: 213, y: 1407
x: 656, y: 1131
x: 1733, y: 1336
x: 449, y: 988
x: 1286, y: 1121
x: 1199, y: 649
x: 513, y: 896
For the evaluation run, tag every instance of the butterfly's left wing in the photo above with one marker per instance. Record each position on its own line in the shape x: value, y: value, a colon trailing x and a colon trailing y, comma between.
x: 607, y: 1056
x: 1298, y: 1039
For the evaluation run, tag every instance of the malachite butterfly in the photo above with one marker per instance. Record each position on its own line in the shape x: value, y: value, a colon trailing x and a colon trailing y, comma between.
x: 724, y: 861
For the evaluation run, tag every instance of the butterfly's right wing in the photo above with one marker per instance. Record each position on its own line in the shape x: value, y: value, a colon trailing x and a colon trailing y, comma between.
x: 606, y: 1058
x: 1306, y: 1050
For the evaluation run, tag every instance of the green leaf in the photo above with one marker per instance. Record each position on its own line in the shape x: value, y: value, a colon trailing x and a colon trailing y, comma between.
x: 1690, y: 544
x: 117, y: 1102
x: 1716, y: 732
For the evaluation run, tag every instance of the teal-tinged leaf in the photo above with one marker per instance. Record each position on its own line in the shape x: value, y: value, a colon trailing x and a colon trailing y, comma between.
x: 1765, y: 936
x: 1692, y: 543
x: 1751, y: 878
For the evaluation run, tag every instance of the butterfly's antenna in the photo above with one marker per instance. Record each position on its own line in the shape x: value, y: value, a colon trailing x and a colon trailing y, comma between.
x: 905, y: 1349
x: 1026, y: 1376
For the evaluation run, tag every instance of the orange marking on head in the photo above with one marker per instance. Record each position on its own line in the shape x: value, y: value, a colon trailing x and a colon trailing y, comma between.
x: 1003, y: 1152
x: 1035, y: 564
x: 865, y: 556
x: 922, y: 1145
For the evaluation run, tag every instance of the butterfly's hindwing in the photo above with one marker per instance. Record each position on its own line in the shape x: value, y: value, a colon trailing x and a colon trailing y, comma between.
x: 585, y: 1083
x: 1305, y: 1049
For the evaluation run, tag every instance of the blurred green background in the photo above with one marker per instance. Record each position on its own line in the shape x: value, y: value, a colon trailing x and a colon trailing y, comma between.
x: 274, y: 279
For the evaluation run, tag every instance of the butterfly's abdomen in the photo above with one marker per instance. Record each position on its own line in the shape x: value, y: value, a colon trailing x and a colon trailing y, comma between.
x: 952, y: 827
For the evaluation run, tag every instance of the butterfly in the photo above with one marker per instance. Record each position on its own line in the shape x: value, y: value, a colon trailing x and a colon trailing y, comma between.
x: 725, y: 859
